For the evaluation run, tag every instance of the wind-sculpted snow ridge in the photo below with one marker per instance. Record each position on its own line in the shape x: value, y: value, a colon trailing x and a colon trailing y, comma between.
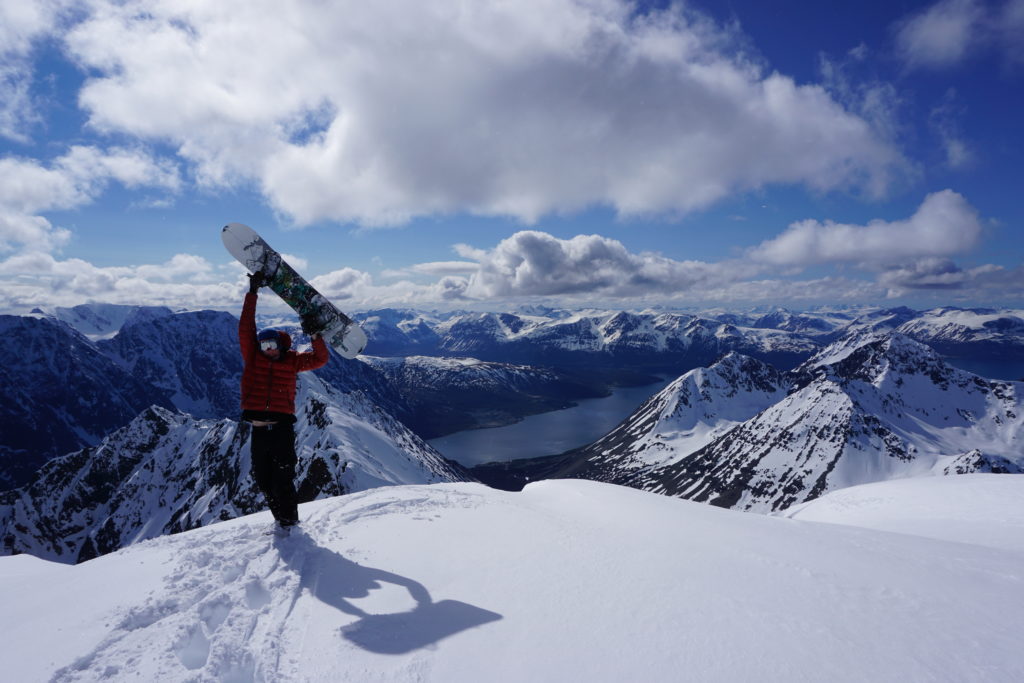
x: 980, y: 509
x: 166, y: 472
x: 568, y: 580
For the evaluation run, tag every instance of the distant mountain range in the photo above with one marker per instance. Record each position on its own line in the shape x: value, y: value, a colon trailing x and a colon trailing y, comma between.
x: 675, y: 342
x: 66, y: 391
x: 741, y: 434
x: 60, y: 393
x: 135, y: 434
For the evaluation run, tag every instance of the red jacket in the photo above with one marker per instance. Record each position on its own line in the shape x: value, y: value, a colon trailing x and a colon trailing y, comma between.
x: 269, y: 385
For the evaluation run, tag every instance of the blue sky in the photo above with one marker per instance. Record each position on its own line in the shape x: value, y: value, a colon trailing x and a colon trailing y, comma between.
x: 486, y: 154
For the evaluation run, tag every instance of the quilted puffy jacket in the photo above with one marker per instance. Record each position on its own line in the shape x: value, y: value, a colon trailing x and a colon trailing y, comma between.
x: 269, y: 385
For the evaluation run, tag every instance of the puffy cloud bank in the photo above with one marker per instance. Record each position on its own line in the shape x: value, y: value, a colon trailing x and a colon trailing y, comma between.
x: 945, y: 224
x: 532, y: 263
x: 379, y: 112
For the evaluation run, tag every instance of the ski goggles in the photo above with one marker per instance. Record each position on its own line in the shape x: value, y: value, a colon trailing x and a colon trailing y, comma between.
x: 268, y: 345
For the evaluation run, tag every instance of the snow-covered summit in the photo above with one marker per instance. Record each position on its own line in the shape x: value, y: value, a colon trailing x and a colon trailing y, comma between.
x: 888, y: 408
x: 568, y: 580
x: 692, y: 411
x: 102, y: 321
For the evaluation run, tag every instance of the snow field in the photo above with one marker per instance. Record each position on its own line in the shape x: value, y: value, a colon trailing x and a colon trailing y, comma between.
x: 567, y: 580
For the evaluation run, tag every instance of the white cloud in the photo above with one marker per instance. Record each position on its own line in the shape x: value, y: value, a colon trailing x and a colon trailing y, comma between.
x: 36, y: 278
x: 379, y: 112
x: 944, y: 225
x: 985, y: 282
x: 357, y: 289
x: 941, y: 35
x: 187, y: 266
x: 950, y: 31
x: 28, y: 189
x: 21, y: 25
x: 342, y: 284
x: 533, y: 263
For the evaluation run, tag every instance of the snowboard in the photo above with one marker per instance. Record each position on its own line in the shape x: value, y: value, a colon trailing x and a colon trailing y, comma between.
x: 253, y: 252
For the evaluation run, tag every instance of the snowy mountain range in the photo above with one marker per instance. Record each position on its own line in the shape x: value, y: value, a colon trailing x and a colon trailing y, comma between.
x: 870, y: 405
x: 911, y: 580
x: 741, y: 434
x: 598, y: 340
x: 102, y: 321
x: 676, y: 341
x: 166, y: 472
x: 66, y: 391
x: 61, y: 392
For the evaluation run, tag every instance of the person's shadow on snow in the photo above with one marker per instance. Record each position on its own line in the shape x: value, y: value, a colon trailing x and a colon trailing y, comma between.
x: 336, y: 581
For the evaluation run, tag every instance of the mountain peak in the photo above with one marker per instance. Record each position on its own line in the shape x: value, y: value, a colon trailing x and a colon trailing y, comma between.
x: 888, y: 355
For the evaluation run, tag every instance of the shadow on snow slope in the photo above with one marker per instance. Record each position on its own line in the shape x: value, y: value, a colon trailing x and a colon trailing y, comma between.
x: 336, y: 580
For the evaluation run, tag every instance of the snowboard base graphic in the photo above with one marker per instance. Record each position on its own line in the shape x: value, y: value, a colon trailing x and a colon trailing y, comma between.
x: 252, y: 251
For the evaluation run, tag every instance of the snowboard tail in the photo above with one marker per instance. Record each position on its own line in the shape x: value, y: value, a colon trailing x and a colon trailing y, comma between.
x: 253, y: 252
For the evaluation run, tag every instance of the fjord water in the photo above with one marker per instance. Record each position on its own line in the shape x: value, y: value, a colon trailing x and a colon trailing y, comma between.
x: 547, y: 433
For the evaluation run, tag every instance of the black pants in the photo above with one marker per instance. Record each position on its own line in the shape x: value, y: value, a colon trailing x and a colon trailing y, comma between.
x: 273, y: 467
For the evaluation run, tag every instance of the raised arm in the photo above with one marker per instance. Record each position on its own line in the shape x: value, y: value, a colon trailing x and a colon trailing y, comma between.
x: 247, y: 321
x: 317, y: 358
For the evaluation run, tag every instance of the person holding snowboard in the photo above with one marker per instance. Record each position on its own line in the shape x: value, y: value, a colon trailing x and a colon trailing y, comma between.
x: 269, y: 378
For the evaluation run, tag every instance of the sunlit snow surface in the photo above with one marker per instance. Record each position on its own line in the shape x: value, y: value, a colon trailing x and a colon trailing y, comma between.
x: 567, y: 580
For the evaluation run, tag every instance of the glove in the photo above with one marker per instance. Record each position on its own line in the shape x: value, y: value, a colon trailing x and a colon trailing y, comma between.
x: 310, y: 325
x: 255, y: 281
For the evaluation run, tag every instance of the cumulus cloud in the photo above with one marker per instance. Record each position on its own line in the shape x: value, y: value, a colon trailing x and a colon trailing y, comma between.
x: 533, y: 263
x: 36, y: 278
x: 357, y: 288
x: 29, y: 188
x: 342, y: 284
x: 944, y: 225
x: 380, y: 112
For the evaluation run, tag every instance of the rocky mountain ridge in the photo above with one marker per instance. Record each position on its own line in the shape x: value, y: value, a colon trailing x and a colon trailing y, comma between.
x: 167, y: 472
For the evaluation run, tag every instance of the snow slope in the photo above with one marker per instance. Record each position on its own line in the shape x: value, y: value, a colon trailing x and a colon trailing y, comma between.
x: 986, y: 509
x: 567, y: 580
